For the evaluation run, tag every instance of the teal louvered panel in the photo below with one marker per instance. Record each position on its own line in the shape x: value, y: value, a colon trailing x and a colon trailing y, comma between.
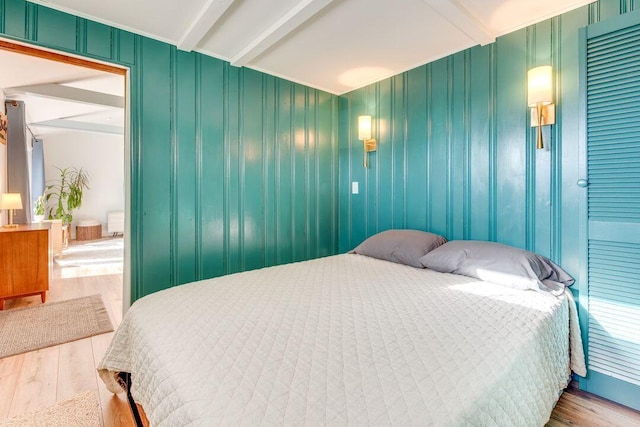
x: 613, y: 169
x: 613, y: 127
x: 614, y: 309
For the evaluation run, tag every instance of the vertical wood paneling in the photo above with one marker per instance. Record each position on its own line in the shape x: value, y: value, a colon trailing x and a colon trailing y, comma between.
x: 251, y: 173
x: 481, y: 111
x: 155, y: 147
x: 543, y: 173
x: 399, y: 158
x: 15, y: 18
x: 98, y: 39
x: 298, y: 160
x: 324, y: 178
x: 56, y: 29
x: 345, y: 224
x: 384, y: 156
x: 438, y: 147
x: 458, y: 146
x: 511, y: 97
x: 135, y: 172
x: 556, y: 153
x: 493, y: 142
x: 608, y: 9
x: 456, y: 154
x: 211, y: 179
x: 231, y: 155
x: 417, y: 166
x: 124, y: 43
x: 269, y: 169
x: 284, y: 169
x: 226, y: 163
x: 358, y: 206
x: 185, y: 172
x: 198, y: 131
x: 371, y: 177
x: 567, y: 143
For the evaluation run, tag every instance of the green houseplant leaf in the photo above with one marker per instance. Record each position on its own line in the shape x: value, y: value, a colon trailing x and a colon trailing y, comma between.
x: 39, y: 205
x: 64, y: 195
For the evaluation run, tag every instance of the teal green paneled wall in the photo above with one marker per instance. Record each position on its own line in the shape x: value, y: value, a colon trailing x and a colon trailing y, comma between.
x: 231, y: 169
x: 456, y: 154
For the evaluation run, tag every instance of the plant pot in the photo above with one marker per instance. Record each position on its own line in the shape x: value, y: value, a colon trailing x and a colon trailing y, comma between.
x: 38, y: 218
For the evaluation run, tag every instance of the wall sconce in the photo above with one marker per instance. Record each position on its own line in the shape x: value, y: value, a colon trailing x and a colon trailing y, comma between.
x: 364, y: 133
x: 540, y: 99
x: 10, y: 201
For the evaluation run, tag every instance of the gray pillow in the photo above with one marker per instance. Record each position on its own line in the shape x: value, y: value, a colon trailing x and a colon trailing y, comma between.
x: 497, y: 263
x: 401, y: 246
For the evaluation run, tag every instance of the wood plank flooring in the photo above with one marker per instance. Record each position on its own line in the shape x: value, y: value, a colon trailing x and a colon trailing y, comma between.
x: 579, y: 408
x: 40, y: 378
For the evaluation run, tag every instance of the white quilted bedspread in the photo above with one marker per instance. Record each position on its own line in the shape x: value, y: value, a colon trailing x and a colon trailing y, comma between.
x: 343, y: 340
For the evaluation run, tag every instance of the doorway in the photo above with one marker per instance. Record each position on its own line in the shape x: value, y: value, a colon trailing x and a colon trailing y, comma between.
x: 77, y: 110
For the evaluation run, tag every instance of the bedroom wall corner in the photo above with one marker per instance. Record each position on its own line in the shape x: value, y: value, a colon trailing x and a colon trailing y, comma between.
x: 456, y: 154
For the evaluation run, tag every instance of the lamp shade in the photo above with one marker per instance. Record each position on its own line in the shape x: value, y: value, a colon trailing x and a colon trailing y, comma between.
x: 10, y: 201
x: 364, y: 127
x: 540, y: 85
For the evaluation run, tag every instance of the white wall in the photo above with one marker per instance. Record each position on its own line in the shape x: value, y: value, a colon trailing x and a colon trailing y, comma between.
x: 102, y: 156
x: 3, y: 166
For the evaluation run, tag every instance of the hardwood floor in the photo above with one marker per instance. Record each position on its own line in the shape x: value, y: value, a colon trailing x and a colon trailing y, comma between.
x: 578, y: 408
x: 41, y: 378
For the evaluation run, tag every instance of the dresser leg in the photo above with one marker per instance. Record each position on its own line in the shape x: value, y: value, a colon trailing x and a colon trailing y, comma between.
x: 1, y: 303
x: 43, y: 296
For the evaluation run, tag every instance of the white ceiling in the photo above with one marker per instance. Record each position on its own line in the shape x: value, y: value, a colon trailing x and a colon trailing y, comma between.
x: 334, y: 45
x: 35, y: 81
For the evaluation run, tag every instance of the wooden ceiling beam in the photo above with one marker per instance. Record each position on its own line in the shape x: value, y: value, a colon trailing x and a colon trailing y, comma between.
x: 207, y: 18
x: 79, y: 126
x: 298, y: 15
x: 68, y: 93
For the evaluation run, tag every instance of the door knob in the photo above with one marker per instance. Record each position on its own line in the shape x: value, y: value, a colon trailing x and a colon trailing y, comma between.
x: 582, y: 183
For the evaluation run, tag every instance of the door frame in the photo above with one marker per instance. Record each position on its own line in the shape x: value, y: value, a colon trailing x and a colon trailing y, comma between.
x: 125, y: 72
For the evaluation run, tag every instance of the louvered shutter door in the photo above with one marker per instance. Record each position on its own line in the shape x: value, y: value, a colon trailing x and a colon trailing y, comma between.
x: 613, y: 168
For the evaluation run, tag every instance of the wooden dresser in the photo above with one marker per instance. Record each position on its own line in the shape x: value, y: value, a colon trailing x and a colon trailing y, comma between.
x: 25, y: 261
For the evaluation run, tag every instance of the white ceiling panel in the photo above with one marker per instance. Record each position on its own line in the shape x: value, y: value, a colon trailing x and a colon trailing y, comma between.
x: 334, y: 45
x: 163, y: 20
x: 343, y: 59
x: 27, y: 70
x: 505, y: 16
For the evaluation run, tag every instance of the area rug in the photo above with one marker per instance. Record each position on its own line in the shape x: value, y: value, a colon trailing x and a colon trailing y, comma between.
x: 102, y: 252
x: 32, y: 328
x: 82, y: 410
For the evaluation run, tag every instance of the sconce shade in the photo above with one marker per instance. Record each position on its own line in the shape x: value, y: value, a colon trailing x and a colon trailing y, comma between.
x: 540, y: 86
x: 364, y: 127
x: 10, y: 201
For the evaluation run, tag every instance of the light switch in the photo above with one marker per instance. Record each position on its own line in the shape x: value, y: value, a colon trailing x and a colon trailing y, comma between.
x: 354, y: 187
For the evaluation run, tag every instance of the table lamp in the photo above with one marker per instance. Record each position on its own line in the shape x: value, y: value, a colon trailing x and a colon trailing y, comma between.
x: 10, y: 201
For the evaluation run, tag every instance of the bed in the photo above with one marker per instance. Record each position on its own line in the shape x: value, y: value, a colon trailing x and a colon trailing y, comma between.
x: 346, y: 340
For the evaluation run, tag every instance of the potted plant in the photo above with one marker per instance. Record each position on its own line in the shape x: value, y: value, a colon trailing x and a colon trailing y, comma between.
x: 64, y: 196
x: 38, y: 209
